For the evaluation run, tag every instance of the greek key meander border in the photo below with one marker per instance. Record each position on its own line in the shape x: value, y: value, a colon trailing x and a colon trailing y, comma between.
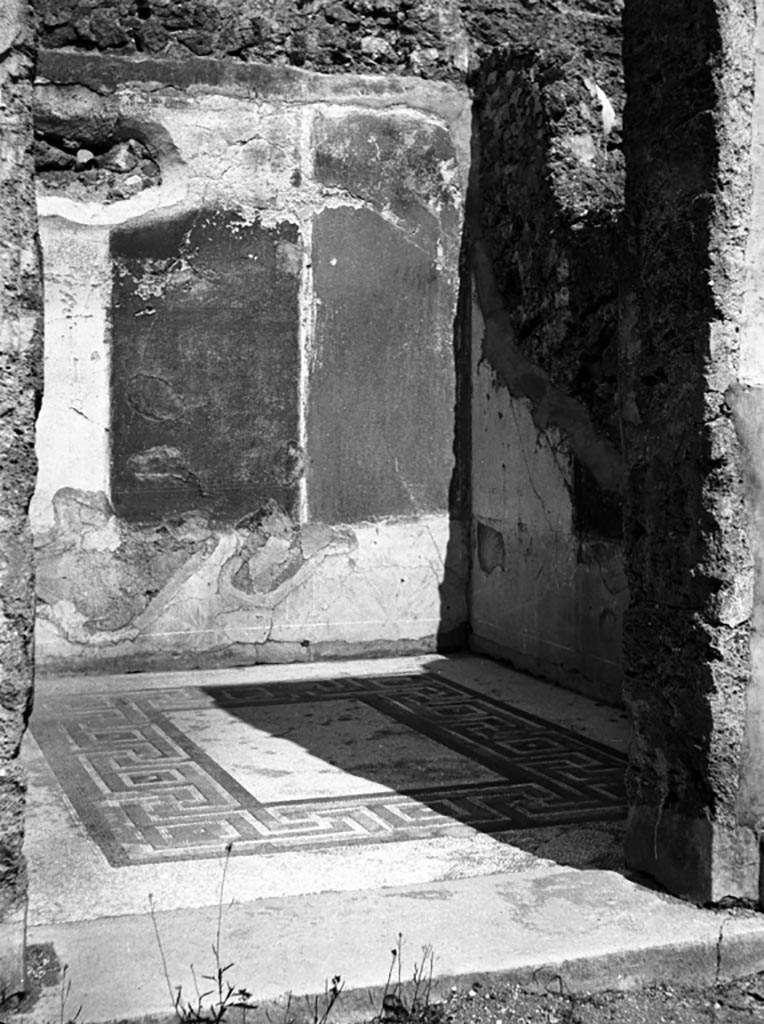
x: 487, y: 806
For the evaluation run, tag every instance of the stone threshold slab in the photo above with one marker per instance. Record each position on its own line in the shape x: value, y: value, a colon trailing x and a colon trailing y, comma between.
x: 571, y: 930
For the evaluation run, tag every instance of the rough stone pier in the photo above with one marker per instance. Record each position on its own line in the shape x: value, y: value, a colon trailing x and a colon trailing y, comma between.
x: 20, y: 384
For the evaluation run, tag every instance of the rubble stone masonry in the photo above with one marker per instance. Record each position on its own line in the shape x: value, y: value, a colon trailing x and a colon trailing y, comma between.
x: 689, y: 511
x: 20, y: 350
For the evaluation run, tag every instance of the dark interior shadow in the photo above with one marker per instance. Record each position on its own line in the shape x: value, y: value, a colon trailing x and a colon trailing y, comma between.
x: 454, y: 629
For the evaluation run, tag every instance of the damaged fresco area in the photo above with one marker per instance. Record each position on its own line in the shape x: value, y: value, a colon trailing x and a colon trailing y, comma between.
x: 189, y: 592
x: 84, y: 149
x: 104, y: 583
x: 236, y: 486
x: 543, y: 594
x: 118, y: 172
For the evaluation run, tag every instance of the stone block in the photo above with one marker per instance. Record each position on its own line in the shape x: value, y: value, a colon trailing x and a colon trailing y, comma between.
x: 695, y: 858
x: 381, y: 406
x: 205, y: 366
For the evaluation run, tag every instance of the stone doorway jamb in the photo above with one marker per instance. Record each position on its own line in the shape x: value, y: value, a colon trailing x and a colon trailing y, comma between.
x: 20, y: 384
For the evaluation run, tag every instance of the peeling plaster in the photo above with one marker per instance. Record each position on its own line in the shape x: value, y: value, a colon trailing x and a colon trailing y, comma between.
x: 106, y: 589
x: 550, y: 602
x: 185, y: 587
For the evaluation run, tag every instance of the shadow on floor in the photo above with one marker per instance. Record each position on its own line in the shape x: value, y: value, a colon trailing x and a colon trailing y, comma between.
x: 430, y: 744
x: 169, y: 774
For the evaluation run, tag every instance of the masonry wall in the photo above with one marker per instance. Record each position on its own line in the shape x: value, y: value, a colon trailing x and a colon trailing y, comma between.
x: 747, y: 403
x: 548, y: 588
x: 694, y: 509
x: 20, y: 352
x: 419, y: 37
x: 247, y: 437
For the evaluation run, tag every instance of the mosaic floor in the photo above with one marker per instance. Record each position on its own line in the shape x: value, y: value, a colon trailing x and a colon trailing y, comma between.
x: 177, y: 773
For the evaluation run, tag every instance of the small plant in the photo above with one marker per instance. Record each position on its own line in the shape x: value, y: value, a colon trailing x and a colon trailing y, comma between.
x: 226, y: 997
x: 395, y: 1009
x: 215, y: 1004
x: 331, y: 995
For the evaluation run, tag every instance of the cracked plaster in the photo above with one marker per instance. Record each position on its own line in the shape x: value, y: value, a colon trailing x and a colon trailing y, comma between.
x: 189, y: 590
x: 346, y: 585
x: 553, y: 604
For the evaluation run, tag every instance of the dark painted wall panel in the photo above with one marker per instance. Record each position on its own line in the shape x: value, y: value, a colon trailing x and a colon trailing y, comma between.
x: 395, y: 162
x: 381, y: 396
x: 390, y: 159
x: 205, y: 366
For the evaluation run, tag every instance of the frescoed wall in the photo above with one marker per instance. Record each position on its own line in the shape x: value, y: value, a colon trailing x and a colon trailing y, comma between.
x: 246, y: 444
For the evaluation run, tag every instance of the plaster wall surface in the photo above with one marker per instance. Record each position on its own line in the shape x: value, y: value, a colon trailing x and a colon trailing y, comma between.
x: 550, y: 123
x: 548, y: 588
x: 540, y: 596
x: 359, y: 550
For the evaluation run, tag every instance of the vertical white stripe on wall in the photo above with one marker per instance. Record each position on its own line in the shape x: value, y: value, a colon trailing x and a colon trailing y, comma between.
x: 307, y: 309
x: 73, y: 426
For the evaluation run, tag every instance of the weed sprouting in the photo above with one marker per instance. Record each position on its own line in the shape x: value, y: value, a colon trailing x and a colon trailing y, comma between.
x: 225, y: 996
x: 216, y: 1004
x: 395, y: 1009
x: 331, y: 995
x: 422, y: 980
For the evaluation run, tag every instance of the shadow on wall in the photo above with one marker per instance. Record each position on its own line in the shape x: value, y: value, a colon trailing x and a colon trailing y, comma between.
x: 454, y: 629
x: 548, y: 589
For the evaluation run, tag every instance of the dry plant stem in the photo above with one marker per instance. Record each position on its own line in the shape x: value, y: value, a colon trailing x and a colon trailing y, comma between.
x: 66, y: 988
x: 332, y: 995
x: 421, y: 1004
x: 393, y: 954
x: 174, y: 997
x: 216, y: 947
x: 226, y: 997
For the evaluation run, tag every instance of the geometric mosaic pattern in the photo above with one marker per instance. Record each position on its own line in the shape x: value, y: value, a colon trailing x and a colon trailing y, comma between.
x: 146, y: 792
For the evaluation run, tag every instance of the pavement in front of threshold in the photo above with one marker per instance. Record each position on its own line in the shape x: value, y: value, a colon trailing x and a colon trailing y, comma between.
x: 466, y: 807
